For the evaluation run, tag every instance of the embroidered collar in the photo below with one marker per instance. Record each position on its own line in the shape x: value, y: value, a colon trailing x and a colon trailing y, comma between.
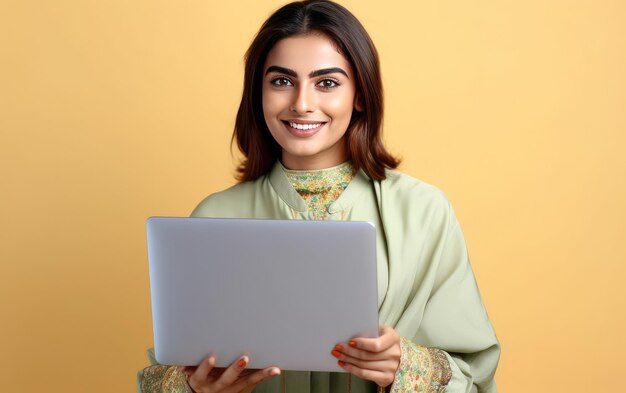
x: 285, y: 190
x: 320, y: 188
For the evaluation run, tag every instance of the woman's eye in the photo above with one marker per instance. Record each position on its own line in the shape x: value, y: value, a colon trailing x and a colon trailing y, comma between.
x: 327, y: 84
x: 281, y: 82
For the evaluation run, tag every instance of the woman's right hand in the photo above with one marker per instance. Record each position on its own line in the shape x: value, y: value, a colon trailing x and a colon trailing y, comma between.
x: 206, y: 378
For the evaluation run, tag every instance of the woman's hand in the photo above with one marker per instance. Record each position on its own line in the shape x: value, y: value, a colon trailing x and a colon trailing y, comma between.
x: 372, y: 359
x: 206, y: 378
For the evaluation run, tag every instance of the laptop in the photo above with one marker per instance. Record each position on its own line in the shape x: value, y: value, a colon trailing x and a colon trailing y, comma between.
x: 284, y: 292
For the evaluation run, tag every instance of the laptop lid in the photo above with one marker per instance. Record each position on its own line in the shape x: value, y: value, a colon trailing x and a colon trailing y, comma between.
x: 284, y: 292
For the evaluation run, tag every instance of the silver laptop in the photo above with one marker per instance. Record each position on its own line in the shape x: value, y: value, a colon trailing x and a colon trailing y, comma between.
x: 284, y: 292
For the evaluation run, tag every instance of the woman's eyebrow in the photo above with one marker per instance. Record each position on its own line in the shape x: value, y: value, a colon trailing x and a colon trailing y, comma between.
x: 281, y: 70
x: 313, y: 74
x: 325, y: 71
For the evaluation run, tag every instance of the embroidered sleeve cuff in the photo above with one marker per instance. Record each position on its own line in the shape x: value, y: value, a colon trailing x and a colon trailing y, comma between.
x: 421, y: 369
x: 164, y: 379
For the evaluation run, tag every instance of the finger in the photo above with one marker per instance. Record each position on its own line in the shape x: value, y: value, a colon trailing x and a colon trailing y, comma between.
x: 379, y: 377
x: 386, y: 364
x: 255, y: 378
x: 231, y: 374
x: 387, y: 338
x: 187, y: 370
x: 341, y: 349
x: 200, y: 375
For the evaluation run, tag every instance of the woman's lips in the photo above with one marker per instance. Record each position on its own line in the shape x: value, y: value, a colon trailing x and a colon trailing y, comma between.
x: 303, y: 130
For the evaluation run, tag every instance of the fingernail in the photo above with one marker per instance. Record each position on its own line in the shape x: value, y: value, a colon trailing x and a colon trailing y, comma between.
x: 341, y: 364
x: 242, y: 362
x: 339, y: 347
x: 352, y: 344
x: 274, y: 371
x: 335, y: 353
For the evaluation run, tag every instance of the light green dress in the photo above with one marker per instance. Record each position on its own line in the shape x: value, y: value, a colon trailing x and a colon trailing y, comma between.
x: 427, y: 290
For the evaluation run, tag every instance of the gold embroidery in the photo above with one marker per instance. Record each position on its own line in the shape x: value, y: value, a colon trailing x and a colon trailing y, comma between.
x: 164, y: 379
x: 421, y: 369
x: 320, y: 188
x: 441, y: 369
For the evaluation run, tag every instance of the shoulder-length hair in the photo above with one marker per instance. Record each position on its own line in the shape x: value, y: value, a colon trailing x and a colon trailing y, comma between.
x: 363, y: 136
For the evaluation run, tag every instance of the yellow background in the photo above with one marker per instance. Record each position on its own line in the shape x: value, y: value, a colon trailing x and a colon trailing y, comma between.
x: 113, y: 111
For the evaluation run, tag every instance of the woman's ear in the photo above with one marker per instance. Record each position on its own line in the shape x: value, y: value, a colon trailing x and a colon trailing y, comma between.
x: 358, y: 104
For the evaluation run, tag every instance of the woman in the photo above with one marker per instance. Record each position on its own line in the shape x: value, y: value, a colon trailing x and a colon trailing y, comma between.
x: 309, y: 125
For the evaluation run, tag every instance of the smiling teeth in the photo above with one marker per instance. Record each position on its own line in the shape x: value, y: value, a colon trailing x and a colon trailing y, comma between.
x: 304, y: 126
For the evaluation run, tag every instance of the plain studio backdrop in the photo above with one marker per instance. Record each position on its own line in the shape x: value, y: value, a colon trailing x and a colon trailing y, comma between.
x: 113, y: 111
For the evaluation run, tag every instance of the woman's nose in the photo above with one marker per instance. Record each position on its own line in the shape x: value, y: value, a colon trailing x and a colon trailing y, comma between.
x: 304, y: 101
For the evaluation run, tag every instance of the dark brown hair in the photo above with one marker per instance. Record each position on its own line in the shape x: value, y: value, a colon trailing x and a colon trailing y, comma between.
x: 363, y: 136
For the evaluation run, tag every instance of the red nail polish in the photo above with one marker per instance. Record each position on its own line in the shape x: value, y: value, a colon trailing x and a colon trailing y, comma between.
x: 352, y: 344
x: 339, y: 347
x: 341, y: 364
x: 241, y: 363
x: 335, y: 353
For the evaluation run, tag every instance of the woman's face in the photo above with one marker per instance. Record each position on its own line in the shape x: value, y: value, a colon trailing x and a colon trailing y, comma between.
x: 308, y: 98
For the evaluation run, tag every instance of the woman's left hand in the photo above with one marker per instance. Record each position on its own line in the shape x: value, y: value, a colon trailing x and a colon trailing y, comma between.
x: 372, y: 359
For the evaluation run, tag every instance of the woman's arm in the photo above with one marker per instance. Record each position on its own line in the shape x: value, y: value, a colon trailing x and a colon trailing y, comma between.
x: 396, y: 361
x: 440, y: 311
x: 203, y: 378
x: 422, y: 369
x: 161, y: 378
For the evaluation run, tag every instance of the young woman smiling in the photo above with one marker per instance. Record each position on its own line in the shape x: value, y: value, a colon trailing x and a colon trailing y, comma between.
x: 309, y: 126
x: 309, y: 95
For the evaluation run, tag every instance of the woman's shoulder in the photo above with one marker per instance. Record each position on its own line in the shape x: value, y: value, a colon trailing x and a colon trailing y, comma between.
x: 227, y: 202
x: 404, y: 186
x: 403, y: 196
